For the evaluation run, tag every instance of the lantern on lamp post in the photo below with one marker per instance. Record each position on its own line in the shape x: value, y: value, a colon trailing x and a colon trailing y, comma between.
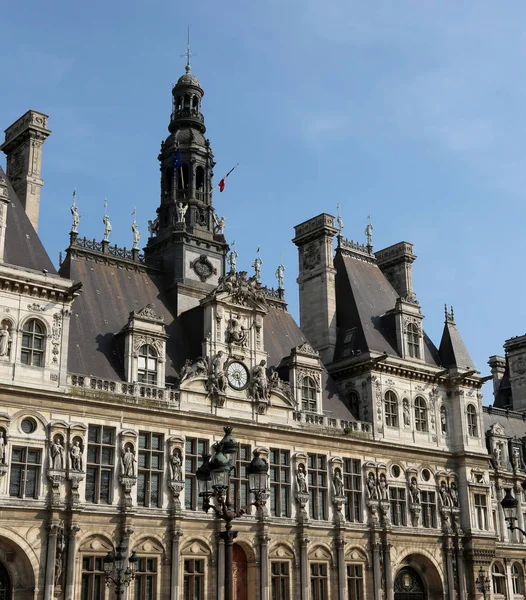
x: 115, y: 571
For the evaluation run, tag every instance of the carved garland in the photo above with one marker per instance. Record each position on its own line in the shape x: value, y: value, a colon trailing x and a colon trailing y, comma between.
x: 303, y: 373
x: 203, y: 268
x: 151, y: 341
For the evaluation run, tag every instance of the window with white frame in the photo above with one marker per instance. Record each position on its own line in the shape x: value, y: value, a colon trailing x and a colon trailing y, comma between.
x: 517, y: 579
x: 413, y: 340
x: 147, y: 365
x: 308, y: 394
x: 25, y: 472
x: 481, y: 511
x: 391, y: 409
x: 33, y: 343
x: 472, y: 420
x: 421, y: 414
x: 498, y: 579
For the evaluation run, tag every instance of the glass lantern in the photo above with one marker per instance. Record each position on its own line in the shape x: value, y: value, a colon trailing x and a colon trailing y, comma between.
x: 229, y: 446
x: 257, y: 472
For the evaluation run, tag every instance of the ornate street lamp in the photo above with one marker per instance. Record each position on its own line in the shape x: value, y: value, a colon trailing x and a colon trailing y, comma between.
x: 482, y: 582
x: 509, y: 505
x: 115, y: 572
x: 213, y: 477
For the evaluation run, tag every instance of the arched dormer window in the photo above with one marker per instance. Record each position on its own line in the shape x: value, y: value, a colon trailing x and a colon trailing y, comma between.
x: 147, y: 365
x: 33, y: 343
x: 498, y: 579
x: 308, y: 395
x: 413, y: 341
x: 420, y: 414
x: 472, y: 421
x: 391, y: 409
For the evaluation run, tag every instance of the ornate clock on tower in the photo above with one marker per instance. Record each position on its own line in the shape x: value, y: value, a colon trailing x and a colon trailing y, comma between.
x: 237, y: 375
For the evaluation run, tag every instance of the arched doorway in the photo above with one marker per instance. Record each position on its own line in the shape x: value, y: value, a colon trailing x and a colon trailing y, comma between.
x: 5, y: 584
x: 408, y: 585
x: 240, y: 573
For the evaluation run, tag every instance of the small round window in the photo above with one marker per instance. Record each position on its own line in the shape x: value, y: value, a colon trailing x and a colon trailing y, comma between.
x: 426, y: 475
x: 395, y: 471
x: 28, y: 426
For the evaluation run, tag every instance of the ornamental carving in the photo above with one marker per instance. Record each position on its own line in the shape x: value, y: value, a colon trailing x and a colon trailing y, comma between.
x: 306, y: 348
x: 412, y: 321
x: 311, y: 256
x: 150, y: 341
x: 242, y: 290
x: 35, y: 307
x: 203, y: 268
x: 56, y: 334
x: 148, y: 313
x: 303, y: 373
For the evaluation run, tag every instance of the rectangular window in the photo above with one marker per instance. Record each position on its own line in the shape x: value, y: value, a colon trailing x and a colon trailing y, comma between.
x: 279, y: 471
x: 398, y: 506
x: 194, y: 579
x: 481, y: 511
x: 100, y: 464
x: 239, y: 490
x: 280, y: 580
x: 150, y: 469
x: 318, y: 581
x: 318, y: 486
x: 25, y: 472
x: 93, y: 585
x: 355, y: 589
x: 352, y: 479
x: 193, y: 457
x: 145, y: 585
x: 429, y: 510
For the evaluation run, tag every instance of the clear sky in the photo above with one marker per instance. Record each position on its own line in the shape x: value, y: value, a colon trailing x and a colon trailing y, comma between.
x: 412, y: 111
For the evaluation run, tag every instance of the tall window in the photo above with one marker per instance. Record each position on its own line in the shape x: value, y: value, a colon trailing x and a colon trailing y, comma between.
x: 472, y: 420
x: 352, y: 479
x: 499, y: 579
x: 429, y: 509
x: 391, y: 409
x: 33, y: 343
x: 398, y: 505
x: 280, y: 580
x: 517, y: 579
x: 317, y: 486
x: 308, y: 394
x: 354, y: 404
x: 194, y: 450
x: 145, y: 585
x: 194, y: 579
x: 279, y: 471
x: 147, y: 365
x: 318, y: 581
x: 355, y: 582
x: 420, y: 414
x: 100, y: 464
x: 481, y: 511
x: 93, y: 585
x: 150, y: 472
x: 25, y: 472
x: 239, y: 490
x: 413, y: 341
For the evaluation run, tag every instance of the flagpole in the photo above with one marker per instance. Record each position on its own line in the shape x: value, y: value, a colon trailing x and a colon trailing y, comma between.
x: 223, y: 178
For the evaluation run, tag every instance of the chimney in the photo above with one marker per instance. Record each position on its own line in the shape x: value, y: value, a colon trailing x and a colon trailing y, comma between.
x: 396, y: 263
x: 4, y: 203
x: 23, y: 149
x: 498, y: 368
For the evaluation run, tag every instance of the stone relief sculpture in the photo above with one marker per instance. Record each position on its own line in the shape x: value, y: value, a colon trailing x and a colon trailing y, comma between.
x: 200, y: 367
x: 445, y: 496
x: 217, y: 379
x: 181, y: 211
x: 187, y: 371
x: 443, y: 419
x: 5, y: 340
x: 372, y: 491
x: 57, y: 454
x: 453, y: 493
x: 301, y: 479
x: 337, y: 482
x: 414, y: 491
x: 75, y: 453
x: 235, y: 333
x: 128, y: 461
x: 260, y: 382
x: 175, y: 465
x: 407, y: 417
x: 153, y: 227
x: 497, y: 455
x: 382, y: 487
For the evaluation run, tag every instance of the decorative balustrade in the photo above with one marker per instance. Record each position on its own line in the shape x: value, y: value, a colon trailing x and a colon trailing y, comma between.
x: 187, y: 113
x: 106, y: 248
x: 322, y: 421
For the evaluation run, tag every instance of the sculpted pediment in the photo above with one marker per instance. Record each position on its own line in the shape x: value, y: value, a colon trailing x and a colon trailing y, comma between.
x: 497, y: 430
x: 238, y: 289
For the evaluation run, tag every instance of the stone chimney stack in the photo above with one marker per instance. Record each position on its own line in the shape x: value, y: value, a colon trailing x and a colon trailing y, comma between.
x: 23, y: 149
x: 4, y: 203
x: 498, y: 368
x: 316, y: 280
x: 396, y: 263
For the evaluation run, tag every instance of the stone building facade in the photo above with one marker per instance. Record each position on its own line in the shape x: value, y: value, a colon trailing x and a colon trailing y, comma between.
x: 118, y: 372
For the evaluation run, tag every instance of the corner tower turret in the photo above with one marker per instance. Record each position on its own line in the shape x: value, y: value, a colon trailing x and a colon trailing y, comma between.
x: 184, y: 239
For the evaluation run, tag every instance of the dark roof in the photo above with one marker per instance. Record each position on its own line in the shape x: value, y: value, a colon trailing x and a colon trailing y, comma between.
x: 514, y: 423
x: 23, y: 247
x: 452, y: 351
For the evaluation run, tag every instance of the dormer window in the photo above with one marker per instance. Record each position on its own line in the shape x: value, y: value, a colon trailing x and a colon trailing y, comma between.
x: 147, y: 365
x: 33, y: 343
x: 413, y: 341
x: 308, y: 394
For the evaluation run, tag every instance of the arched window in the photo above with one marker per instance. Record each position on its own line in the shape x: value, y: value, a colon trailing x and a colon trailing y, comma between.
x: 195, y: 103
x: 391, y: 409
x: 499, y: 579
x: 472, y: 420
x: 147, y: 365
x: 354, y: 404
x: 33, y: 343
x: 413, y: 341
x: 308, y: 394
x: 420, y: 414
x: 199, y: 179
x: 517, y: 579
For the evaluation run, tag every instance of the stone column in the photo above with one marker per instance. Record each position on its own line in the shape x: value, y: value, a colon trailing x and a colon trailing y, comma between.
x: 340, y: 559
x: 70, y: 566
x: 502, y: 516
x: 388, y: 570
x: 377, y: 573
x: 263, y: 561
x: 176, y: 555
x: 304, y: 568
x: 449, y: 570
x: 50, y: 561
x: 461, y: 575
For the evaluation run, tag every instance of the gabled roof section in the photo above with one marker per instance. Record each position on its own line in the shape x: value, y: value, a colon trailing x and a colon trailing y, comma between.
x: 23, y: 247
x: 452, y: 351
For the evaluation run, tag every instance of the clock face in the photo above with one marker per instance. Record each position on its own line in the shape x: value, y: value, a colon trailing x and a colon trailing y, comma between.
x: 237, y: 375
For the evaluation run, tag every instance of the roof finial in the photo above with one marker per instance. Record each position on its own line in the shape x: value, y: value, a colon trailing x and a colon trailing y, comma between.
x: 450, y: 315
x: 232, y: 257
x: 339, y: 220
x: 106, y: 221
x: 75, y: 217
x: 188, y: 54
x: 280, y: 272
x: 257, y: 266
x: 369, y: 235
x: 135, y: 230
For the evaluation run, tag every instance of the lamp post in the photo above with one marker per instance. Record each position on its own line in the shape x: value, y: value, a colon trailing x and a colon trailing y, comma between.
x: 115, y: 572
x: 509, y: 505
x: 213, y: 477
x: 482, y: 583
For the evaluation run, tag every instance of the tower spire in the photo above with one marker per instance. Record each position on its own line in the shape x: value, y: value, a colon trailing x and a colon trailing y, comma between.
x: 188, y: 54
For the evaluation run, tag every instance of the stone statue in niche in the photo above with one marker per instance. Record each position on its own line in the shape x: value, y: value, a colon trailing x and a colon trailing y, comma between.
x: 3, y: 447
x: 260, y: 381
x: 57, y: 454
x: 217, y: 380
x: 236, y: 333
x: 128, y: 461
x: 337, y: 482
x: 372, y: 492
x: 443, y: 419
x: 301, y: 479
x: 181, y: 211
x: 497, y: 455
x: 453, y: 493
x: 414, y: 491
x: 75, y: 453
x: 407, y: 418
x: 445, y: 496
x: 5, y: 339
x: 175, y: 465
x: 382, y: 487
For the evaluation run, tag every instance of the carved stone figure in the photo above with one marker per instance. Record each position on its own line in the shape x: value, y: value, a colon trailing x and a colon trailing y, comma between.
x: 445, y: 496
x: 273, y: 379
x: 301, y: 479
x: 200, y: 367
x: 136, y: 235
x: 175, y: 465
x: 453, y: 493
x: 414, y: 490
x: 337, y: 482
x: 128, y: 462
x: 75, y: 453
x: 371, y: 486
x: 57, y: 454
x: 232, y: 259
x: 280, y: 276
x: 369, y: 234
x: 257, y: 266
x: 407, y: 418
x: 107, y: 228
x: 75, y: 217
x: 153, y: 227
x: 187, y: 371
x: 443, y: 419
x: 181, y: 211
x: 236, y: 333
x: 516, y: 458
x: 218, y: 376
x: 220, y: 224
x: 497, y: 455
x: 260, y: 381
x: 2, y: 448
x: 5, y: 340
x: 382, y: 487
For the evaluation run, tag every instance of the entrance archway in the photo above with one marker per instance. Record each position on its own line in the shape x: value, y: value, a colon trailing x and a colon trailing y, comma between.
x: 409, y: 586
x: 5, y: 584
x: 240, y: 573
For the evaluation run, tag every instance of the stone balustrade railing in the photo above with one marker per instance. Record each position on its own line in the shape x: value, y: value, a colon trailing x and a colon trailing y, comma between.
x: 323, y: 421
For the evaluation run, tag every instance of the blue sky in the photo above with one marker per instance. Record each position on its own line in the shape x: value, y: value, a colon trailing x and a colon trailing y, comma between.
x: 410, y: 111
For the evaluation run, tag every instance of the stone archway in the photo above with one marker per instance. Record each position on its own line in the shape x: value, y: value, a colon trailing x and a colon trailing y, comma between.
x: 18, y: 566
x: 240, y: 573
x: 424, y: 570
x: 5, y: 583
x: 408, y: 585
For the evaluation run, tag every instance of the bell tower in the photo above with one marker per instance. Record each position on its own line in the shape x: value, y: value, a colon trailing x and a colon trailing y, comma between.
x: 186, y: 240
